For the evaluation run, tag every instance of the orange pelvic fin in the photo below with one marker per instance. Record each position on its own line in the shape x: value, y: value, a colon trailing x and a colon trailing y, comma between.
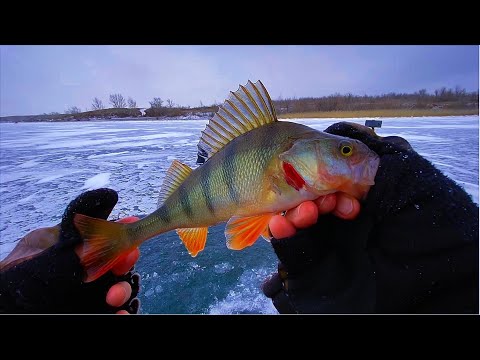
x: 244, y: 231
x: 103, y: 245
x: 194, y: 239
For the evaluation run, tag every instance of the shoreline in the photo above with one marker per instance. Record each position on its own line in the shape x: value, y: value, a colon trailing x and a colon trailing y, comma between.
x: 361, y: 114
x: 390, y: 113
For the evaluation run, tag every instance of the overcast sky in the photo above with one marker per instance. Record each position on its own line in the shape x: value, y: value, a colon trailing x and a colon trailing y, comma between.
x: 43, y: 79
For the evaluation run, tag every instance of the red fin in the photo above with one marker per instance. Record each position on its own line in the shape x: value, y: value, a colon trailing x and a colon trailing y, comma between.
x: 244, y: 231
x: 194, y: 239
x: 292, y: 177
x: 103, y: 245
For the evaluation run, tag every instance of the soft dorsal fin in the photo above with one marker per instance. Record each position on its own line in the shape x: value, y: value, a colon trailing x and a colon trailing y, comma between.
x: 245, y: 109
x: 176, y: 174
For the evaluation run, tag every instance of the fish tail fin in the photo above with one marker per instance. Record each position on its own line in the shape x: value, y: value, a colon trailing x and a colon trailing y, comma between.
x: 104, y: 245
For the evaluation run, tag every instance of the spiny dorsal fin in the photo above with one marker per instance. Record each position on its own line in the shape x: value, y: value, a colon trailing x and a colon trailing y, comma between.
x: 176, y: 174
x: 245, y: 109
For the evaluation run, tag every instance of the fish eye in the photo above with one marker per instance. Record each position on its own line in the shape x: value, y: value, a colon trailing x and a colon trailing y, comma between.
x: 346, y: 150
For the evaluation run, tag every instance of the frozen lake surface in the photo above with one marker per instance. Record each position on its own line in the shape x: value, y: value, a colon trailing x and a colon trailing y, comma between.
x: 43, y: 166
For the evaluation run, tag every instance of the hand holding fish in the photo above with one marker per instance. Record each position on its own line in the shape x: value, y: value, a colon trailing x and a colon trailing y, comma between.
x: 413, y: 247
x: 120, y: 293
x: 43, y: 273
x: 306, y: 214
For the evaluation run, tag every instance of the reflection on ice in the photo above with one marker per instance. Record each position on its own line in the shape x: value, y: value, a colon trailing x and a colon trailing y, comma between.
x: 26, y: 199
x: 28, y: 164
x: 107, y: 154
x: 50, y: 178
x: 246, y: 297
x: 426, y: 138
x: 97, y: 181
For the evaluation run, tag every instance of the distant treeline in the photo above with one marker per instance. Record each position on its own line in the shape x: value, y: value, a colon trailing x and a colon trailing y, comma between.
x: 442, y: 98
x: 180, y: 111
x: 447, y: 101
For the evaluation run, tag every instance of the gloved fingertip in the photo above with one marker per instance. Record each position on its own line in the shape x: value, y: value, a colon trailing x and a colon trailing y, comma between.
x: 282, y: 271
x: 282, y: 304
x: 95, y: 203
x: 135, y: 284
x: 133, y: 306
x: 136, y: 280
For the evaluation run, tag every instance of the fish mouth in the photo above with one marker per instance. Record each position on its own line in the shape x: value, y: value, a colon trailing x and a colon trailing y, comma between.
x: 364, y: 173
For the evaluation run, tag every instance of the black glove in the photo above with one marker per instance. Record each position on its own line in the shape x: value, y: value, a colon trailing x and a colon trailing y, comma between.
x: 51, y: 282
x: 412, y: 249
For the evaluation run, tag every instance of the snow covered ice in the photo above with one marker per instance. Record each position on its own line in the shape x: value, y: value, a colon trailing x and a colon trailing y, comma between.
x: 43, y: 166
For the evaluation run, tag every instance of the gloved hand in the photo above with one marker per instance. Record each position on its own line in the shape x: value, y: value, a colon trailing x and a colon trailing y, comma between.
x: 413, y: 247
x: 51, y: 282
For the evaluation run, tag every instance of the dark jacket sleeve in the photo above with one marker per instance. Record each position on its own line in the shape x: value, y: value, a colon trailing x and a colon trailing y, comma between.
x: 412, y: 249
x: 52, y: 283
x: 424, y: 239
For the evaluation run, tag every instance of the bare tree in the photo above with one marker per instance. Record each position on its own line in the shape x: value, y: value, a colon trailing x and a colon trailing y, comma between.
x: 73, y: 110
x: 422, y: 92
x: 117, y: 101
x: 156, y: 103
x: 170, y: 103
x: 443, y: 92
x: 132, y: 103
x: 459, y: 91
x: 97, y: 104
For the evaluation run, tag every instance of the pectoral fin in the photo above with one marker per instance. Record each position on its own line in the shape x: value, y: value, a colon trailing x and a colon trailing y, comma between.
x: 244, y: 231
x: 194, y: 239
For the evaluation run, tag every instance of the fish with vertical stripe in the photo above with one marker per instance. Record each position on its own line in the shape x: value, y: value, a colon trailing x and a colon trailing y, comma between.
x: 256, y: 166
